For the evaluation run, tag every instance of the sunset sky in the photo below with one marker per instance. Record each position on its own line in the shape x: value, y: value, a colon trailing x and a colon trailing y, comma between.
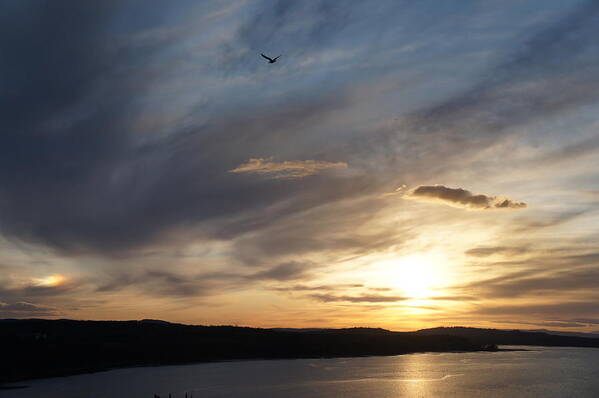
x: 404, y: 164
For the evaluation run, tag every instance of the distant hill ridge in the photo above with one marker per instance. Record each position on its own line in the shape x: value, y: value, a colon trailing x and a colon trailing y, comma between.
x: 441, y: 330
x: 45, y: 348
x: 35, y: 348
x: 514, y: 337
x: 444, y: 330
x: 560, y: 333
x: 342, y: 330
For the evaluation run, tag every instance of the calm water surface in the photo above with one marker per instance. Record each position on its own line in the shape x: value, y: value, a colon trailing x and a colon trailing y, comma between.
x: 543, y: 372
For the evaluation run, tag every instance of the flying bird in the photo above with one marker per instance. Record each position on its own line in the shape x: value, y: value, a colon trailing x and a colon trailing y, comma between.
x: 270, y: 60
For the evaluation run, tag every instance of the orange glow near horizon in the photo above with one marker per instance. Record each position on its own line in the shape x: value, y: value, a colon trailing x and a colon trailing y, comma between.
x: 417, y: 276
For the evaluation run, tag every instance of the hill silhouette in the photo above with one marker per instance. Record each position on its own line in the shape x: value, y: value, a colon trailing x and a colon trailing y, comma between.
x: 512, y: 337
x: 36, y: 348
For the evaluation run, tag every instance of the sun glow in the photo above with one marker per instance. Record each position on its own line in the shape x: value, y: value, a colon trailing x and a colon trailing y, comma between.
x: 418, y: 275
x: 50, y: 281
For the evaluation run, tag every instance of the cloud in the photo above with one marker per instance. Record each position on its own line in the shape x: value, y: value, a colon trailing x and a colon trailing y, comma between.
x: 284, y: 272
x: 78, y: 176
x: 34, y: 290
x: 542, y: 280
x: 548, y: 221
x: 178, y: 283
x: 453, y: 298
x: 327, y: 298
x: 591, y: 192
x: 552, y: 323
x: 491, y: 250
x: 305, y: 288
x: 587, y: 321
x: 157, y: 282
x: 529, y: 83
x: 380, y: 289
x: 94, y: 194
x: 533, y: 310
x: 21, y: 309
x: 274, y: 25
x: 559, y: 324
x: 570, y: 152
x: 459, y: 197
x: 286, y: 169
x: 331, y: 233
x: 90, y: 149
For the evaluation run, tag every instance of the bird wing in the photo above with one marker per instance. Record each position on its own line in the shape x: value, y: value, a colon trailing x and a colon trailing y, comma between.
x: 264, y: 56
x: 278, y: 57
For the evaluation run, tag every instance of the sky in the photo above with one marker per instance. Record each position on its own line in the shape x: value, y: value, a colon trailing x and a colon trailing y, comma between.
x: 404, y: 164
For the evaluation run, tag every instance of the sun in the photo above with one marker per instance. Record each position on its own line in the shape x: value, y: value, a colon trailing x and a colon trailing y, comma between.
x: 417, y: 275
x: 49, y: 281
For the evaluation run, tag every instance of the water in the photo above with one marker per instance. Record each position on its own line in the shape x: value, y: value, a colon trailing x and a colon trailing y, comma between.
x: 543, y: 372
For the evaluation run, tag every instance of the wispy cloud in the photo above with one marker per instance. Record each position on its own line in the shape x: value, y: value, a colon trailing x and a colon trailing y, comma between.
x: 491, y: 250
x: 286, y: 169
x: 306, y: 288
x: 530, y: 83
x: 373, y: 298
x: 535, y: 282
x: 550, y: 309
x: 22, y: 309
x: 284, y: 272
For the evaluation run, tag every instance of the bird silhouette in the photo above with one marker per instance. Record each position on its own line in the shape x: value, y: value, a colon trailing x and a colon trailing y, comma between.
x: 270, y: 60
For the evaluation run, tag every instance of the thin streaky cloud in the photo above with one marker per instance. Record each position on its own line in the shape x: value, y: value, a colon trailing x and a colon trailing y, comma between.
x: 358, y: 299
x: 287, y: 169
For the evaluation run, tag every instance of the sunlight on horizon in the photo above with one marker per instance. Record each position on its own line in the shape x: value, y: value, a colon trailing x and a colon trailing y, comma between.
x: 418, y: 275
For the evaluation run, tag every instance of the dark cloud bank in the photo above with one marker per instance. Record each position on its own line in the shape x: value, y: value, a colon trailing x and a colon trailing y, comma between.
x: 74, y: 177
x: 23, y: 309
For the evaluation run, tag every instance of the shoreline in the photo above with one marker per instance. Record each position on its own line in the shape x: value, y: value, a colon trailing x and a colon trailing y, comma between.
x: 13, y: 385
x: 41, y: 349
